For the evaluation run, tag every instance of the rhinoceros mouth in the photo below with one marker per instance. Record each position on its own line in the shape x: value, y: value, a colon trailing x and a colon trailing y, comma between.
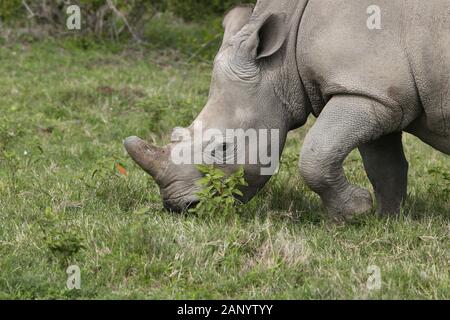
x: 178, y: 197
x: 180, y: 204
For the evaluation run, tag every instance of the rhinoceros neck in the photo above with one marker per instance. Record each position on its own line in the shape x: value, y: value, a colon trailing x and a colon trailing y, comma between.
x: 288, y: 85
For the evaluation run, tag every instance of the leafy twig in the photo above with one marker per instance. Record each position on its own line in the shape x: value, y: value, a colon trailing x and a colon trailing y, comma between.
x: 30, y: 12
x: 124, y: 19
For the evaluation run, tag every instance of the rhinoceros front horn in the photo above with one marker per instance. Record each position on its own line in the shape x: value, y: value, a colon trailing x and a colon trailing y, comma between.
x: 152, y: 159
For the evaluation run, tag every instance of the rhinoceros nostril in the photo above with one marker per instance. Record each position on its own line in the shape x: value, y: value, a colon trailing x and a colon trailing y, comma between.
x: 192, y: 205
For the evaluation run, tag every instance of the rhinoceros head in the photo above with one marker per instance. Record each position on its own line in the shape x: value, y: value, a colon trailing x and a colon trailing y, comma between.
x: 242, y: 106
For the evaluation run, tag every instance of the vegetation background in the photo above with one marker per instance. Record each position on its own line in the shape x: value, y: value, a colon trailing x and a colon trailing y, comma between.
x: 69, y: 195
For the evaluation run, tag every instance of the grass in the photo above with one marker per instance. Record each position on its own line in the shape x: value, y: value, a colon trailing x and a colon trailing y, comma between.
x: 64, y: 198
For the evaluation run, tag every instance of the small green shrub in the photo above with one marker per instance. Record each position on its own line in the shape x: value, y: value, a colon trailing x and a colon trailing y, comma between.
x: 218, y: 194
x: 62, y: 239
x: 10, y: 10
x: 442, y: 180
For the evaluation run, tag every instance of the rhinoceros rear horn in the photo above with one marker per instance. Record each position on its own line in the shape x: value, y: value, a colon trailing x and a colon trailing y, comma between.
x: 235, y: 19
x: 152, y: 159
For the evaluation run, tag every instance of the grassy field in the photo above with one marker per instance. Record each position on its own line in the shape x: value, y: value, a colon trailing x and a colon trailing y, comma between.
x: 65, y: 198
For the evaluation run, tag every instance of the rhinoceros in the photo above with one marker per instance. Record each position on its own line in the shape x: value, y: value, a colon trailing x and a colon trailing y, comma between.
x: 283, y: 61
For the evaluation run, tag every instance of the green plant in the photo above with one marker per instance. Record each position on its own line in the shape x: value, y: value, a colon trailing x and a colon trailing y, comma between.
x: 61, y: 238
x: 10, y: 10
x: 8, y: 132
x: 442, y: 180
x: 218, y: 196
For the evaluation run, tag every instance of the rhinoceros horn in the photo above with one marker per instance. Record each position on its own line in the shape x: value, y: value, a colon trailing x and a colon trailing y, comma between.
x: 152, y: 159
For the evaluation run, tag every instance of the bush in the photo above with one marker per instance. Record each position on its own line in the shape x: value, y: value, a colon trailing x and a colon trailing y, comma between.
x: 99, y: 17
x: 61, y: 237
x: 196, y: 10
x: 111, y: 17
x: 218, y: 196
x: 11, y: 10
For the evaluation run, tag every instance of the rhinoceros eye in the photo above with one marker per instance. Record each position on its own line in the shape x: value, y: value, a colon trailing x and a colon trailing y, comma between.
x: 180, y: 134
x: 223, y: 148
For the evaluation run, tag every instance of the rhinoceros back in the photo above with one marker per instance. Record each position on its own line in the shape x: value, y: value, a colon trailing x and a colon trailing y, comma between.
x: 405, y: 62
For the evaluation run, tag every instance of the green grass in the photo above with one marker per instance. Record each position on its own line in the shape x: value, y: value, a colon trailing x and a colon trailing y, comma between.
x: 64, y: 113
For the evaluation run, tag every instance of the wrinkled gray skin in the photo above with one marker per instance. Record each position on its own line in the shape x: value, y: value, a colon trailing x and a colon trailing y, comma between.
x: 285, y: 60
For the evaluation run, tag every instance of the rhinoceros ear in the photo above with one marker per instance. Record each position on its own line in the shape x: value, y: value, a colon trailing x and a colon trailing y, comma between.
x: 235, y: 19
x: 269, y: 37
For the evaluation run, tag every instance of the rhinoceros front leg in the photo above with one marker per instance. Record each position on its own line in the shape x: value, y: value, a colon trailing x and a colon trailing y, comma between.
x: 345, y: 123
x: 387, y: 169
